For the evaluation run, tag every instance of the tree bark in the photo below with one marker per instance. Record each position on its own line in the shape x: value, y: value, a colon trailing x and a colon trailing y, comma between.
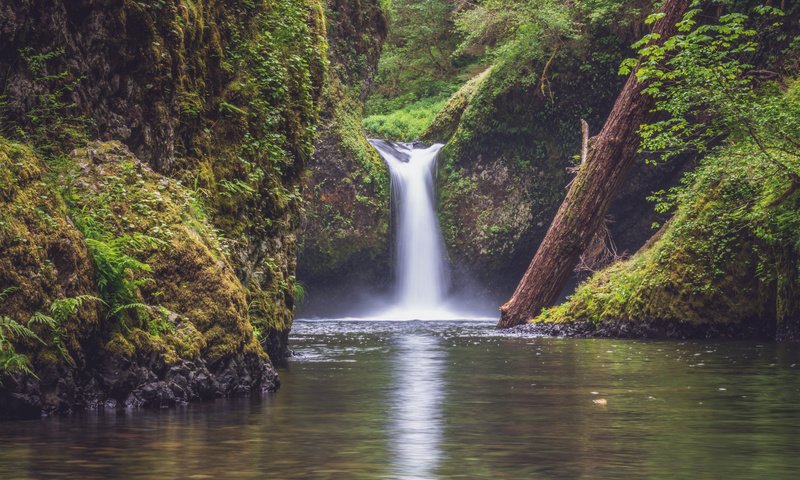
x: 606, y: 167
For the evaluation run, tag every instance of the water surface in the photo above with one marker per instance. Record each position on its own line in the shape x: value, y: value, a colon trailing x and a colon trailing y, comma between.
x: 445, y: 400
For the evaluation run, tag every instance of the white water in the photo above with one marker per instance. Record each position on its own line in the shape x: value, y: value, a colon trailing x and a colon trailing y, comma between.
x: 422, y: 276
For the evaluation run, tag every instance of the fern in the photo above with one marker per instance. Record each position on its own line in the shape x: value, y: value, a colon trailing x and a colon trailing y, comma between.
x: 60, y: 311
x: 63, y: 308
x: 129, y: 307
x: 298, y: 292
x: 119, y: 275
x: 10, y: 360
x: 7, y: 291
x: 10, y: 327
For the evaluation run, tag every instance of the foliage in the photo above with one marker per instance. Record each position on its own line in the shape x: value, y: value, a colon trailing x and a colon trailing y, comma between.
x: 51, y: 323
x: 716, y: 261
x: 50, y: 122
x: 10, y: 360
x: 119, y: 275
x: 708, y: 89
x: 729, y: 252
x: 299, y: 292
x: 434, y: 47
x: 518, y: 27
x: 61, y: 311
x: 417, y: 59
x: 406, y: 124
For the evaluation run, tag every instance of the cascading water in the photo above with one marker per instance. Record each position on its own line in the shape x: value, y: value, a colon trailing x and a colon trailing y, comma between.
x: 422, y: 274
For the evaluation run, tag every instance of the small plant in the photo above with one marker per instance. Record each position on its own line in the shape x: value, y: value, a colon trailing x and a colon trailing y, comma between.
x: 49, y: 121
x: 160, y: 323
x: 120, y: 275
x: 10, y: 360
x: 60, y: 311
x: 299, y: 292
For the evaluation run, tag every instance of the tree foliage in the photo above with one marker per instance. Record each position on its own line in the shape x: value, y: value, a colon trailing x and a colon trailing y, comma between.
x: 709, y: 87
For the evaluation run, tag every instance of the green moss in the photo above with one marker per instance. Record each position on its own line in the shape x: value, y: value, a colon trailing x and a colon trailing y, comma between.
x: 446, y: 121
x: 44, y: 257
x: 720, y: 259
x: 189, y: 300
x: 347, y: 190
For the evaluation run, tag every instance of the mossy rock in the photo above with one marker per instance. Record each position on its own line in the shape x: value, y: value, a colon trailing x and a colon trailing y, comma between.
x: 187, y: 332
x: 112, y: 192
x: 446, y: 122
x: 510, y: 137
x: 44, y: 257
x: 345, y: 233
x: 725, y: 265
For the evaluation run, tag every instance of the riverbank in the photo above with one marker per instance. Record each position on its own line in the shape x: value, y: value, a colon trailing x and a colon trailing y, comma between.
x: 650, y: 329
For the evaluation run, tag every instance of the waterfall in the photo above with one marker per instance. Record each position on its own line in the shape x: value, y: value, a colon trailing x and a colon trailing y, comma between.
x: 422, y: 276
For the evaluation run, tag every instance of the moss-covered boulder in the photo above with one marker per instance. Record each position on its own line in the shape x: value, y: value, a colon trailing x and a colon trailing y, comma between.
x: 725, y: 265
x: 161, y: 316
x: 345, y: 234
x: 199, y: 306
x: 221, y: 95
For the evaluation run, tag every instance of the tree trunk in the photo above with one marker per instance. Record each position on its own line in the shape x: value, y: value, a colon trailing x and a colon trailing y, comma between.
x: 611, y: 157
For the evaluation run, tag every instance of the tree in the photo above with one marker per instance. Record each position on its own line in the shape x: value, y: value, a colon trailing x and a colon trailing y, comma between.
x: 609, y: 159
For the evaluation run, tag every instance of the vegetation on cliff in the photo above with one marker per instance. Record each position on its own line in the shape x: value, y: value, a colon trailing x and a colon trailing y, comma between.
x: 175, y: 241
x: 345, y: 234
x: 729, y: 254
x: 513, y: 140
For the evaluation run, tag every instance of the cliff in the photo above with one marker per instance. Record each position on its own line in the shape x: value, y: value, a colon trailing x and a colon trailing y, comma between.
x: 167, y: 141
x: 345, y: 235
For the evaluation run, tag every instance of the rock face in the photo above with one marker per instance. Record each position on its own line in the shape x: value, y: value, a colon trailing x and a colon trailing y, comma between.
x: 206, y: 113
x: 512, y: 135
x: 346, y: 229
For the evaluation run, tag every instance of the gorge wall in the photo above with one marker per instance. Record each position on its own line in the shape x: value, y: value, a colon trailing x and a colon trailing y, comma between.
x: 345, y: 235
x: 153, y: 155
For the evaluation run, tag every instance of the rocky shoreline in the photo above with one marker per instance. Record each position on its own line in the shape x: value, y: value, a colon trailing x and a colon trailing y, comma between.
x: 123, y: 384
x: 650, y: 329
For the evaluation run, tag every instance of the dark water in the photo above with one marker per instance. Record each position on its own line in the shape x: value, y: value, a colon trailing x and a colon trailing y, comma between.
x: 455, y: 400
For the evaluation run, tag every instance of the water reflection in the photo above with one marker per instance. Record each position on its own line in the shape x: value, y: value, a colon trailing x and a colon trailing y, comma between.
x: 416, y: 414
x: 454, y: 400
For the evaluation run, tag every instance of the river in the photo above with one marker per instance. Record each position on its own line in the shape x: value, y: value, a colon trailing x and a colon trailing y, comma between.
x: 442, y: 400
